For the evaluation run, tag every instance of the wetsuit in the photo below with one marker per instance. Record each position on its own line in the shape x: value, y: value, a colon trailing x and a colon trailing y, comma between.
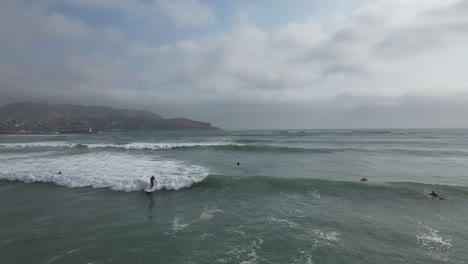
x: 435, y: 195
x: 152, y: 181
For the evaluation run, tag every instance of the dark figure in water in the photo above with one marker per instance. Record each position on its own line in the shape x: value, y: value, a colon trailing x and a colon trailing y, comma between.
x: 60, y: 172
x: 433, y: 194
x: 152, y: 179
x: 364, y: 180
x: 238, y: 163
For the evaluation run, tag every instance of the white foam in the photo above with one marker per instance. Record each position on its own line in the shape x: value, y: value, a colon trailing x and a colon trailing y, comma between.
x: 54, y: 258
x: 315, y: 193
x: 117, y: 171
x: 282, y: 221
x: 129, y: 146
x: 306, y: 257
x: 177, y: 224
x: 44, y: 144
x: 328, y: 236
x: 209, y: 213
x: 431, y: 236
x: 298, y: 213
x: 12, y: 156
x: 73, y: 250
x: 436, y: 246
x: 157, y: 146
x: 204, y: 236
x: 244, y: 251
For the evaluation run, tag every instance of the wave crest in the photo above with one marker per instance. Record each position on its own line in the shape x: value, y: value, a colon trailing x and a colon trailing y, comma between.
x: 120, y: 172
x: 129, y: 146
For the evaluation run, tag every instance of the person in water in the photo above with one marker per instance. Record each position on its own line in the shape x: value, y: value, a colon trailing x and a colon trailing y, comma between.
x: 60, y: 172
x: 433, y: 194
x: 152, y: 179
x: 238, y: 163
x: 364, y: 180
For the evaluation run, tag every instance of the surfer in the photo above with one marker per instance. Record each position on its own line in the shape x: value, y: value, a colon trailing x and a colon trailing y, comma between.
x: 433, y: 194
x: 364, y: 180
x: 152, y: 179
x: 60, y: 172
x: 238, y: 163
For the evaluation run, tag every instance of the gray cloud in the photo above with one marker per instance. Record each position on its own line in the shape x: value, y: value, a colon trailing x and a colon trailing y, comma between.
x: 299, y: 75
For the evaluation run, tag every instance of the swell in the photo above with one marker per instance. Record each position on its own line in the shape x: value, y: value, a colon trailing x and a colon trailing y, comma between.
x: 167, y: 146
x: 325, y: 150
x: 349, y: 132
x: 410, y: 190
x: 237, y: 147
x: 254, y: 141
x: 177, y: 177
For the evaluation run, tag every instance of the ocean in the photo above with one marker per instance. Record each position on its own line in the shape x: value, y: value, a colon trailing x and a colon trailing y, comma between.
x: 295, y: 197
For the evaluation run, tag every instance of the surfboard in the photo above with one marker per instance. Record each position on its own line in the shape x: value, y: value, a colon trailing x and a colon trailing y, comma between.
x: 150, y: 190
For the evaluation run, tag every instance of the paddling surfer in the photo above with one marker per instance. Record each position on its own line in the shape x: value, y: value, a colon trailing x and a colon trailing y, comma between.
x: 433, y: 194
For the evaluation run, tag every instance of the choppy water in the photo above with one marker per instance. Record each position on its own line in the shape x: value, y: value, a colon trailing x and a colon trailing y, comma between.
x: 295, y: 198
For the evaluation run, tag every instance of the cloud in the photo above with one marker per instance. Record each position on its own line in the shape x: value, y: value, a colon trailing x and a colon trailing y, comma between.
x: 371, y: 60
x: 191, y: 13
x: 431, y: 29
x: 182, y: 13
x: 24, y: 23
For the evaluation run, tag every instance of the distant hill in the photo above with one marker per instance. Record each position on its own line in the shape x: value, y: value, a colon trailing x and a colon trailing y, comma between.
x: 32, y: 112
x: 38, y: 117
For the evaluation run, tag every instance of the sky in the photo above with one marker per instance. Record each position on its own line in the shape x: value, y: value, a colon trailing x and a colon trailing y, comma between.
x: 258, y: 64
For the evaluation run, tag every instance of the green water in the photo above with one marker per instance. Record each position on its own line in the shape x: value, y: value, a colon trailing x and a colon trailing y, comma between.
x: 295, y: 198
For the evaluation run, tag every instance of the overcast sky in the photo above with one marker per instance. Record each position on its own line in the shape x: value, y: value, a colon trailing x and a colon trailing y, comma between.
x: 244, y: 64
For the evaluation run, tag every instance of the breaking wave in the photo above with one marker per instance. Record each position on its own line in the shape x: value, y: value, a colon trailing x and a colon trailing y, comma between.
x: 120, y: 172
x: 129, y: 146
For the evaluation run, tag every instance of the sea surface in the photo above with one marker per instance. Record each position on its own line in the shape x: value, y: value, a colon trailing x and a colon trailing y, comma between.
x: 295, y: 197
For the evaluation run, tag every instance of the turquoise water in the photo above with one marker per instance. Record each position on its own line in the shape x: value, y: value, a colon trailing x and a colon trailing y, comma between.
x: 295, y: 197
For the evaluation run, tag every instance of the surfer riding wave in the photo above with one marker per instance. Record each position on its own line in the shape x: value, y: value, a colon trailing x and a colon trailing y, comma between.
x: 152, y: 180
